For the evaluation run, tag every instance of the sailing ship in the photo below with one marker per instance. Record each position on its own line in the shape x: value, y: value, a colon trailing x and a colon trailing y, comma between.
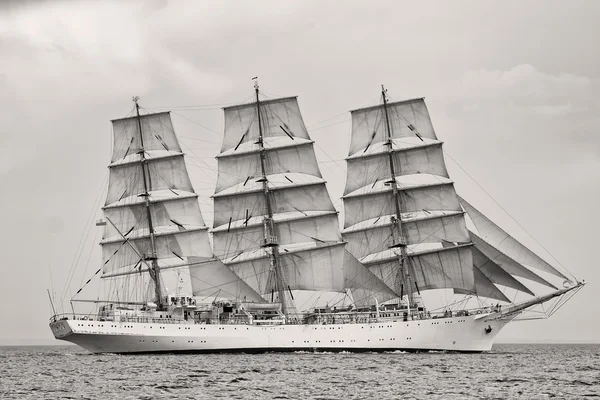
x: 276, y: 235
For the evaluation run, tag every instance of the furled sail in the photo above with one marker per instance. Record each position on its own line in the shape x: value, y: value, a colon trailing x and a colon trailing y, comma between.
x: 419, y: 200
x: 502, y: 241
x: 269, y: 182
x: 167, y: 227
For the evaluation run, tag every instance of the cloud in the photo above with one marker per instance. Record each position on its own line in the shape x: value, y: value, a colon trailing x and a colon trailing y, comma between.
x: 525, y: 89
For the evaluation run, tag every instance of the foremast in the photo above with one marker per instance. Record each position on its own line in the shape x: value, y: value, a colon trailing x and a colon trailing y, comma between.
x: 270, y: 233
x: 155, y: 270
x: 402, y: 216
x: 419, y: 240
x: 399, y: 234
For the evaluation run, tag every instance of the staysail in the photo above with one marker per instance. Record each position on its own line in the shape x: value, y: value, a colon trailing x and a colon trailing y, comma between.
x: 505, y: 243
x: 154, y: 220
x: 274, y: 220
x: 500, y: 258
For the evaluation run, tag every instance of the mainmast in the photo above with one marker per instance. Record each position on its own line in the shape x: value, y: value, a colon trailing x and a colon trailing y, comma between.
x: 270, y: 234
x: 155, y: 270
x: 399, y: 234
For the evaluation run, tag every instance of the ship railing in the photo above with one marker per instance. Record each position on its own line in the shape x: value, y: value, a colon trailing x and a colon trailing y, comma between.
x: 79, y: 317
x: 351, y: 317
x: 317, y: 318
x: 156, y: 320
x: 119, y: 318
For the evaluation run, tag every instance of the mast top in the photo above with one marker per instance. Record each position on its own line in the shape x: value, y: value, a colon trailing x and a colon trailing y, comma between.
x: 135, y: 99
x: 255, y: 79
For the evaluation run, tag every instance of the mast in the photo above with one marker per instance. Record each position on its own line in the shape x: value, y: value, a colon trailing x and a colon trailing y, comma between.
x: 270, y: 233
x: 398, y: 229
x: 155, y: 270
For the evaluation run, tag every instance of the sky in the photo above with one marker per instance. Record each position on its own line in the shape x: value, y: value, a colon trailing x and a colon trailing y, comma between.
x: 512, y: 90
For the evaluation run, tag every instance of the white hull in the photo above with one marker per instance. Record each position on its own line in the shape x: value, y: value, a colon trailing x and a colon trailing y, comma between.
x: 466, y: 334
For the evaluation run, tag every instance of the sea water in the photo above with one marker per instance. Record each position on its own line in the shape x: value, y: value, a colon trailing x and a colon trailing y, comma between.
x: 565, y: 371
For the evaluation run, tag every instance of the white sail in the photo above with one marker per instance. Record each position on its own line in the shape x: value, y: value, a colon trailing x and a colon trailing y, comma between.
x: 369, y: 205
x: 433, y: 229
x: 291, y: 198
x: 495, y: 274
x: 443, y: 268
x: 365, y: 286
x: 275, y: 179
x: 318, y: 268
x: 406, y: 118
x: 239, y: 167
x: 126, y: 180
x: 228, y: 242
x: 165, y: 202
x: 174, y: 212
x: 279, y: 118
x: 124, y: 253
x: 484, y: 287
x: 505, y: 243
x: 382, y: 213
x: 215, y: 279
x: 505, y: 262
x: 157, y: 131
x: 366, y: 169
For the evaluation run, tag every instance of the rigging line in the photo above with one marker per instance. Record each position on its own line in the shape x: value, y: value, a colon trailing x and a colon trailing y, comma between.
x: 87, y: 264
x: 191, y: 120
x: 511, y: 217
x: 217, y: 105
x: 266, y: 95
x: 327, y: 126
x: 88, y: 281
x: 199, y: 159
x: 192, y: 163
x: 186, y: 109
x: 310, y: 298
x: 309, y: 127
x: 200, y: 140
x: 83, y: 238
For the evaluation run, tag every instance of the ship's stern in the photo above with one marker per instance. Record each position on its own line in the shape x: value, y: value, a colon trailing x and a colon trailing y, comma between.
x: 61, y: 329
